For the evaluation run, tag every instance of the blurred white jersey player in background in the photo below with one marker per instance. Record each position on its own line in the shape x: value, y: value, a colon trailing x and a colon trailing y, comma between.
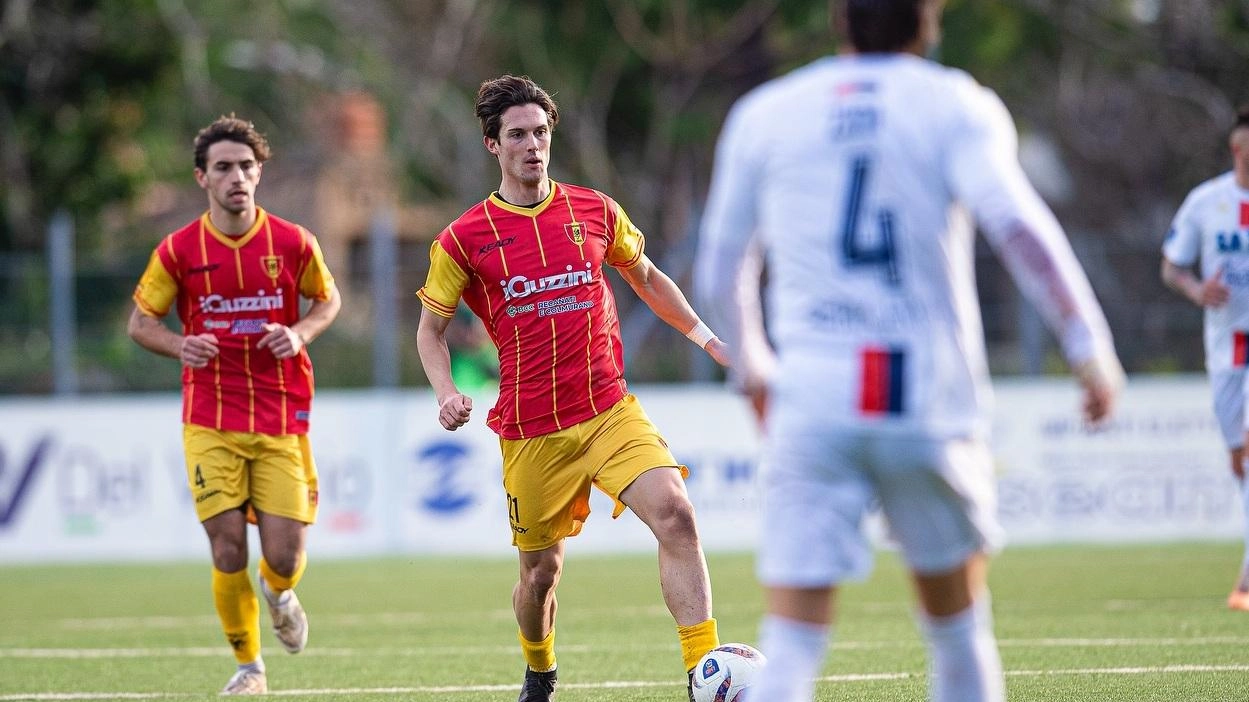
x: 1213, y: 225
x: 860, y: 177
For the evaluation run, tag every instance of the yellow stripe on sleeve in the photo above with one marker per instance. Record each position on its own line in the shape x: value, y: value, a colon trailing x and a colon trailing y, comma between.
x: 444, y: 285
x: 316, y: 280
x: 627, y: 242
x: 157, y: 290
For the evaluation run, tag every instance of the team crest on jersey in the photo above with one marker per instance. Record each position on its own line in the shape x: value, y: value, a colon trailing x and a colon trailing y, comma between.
x: 272, y: 265
x: 574, y: 232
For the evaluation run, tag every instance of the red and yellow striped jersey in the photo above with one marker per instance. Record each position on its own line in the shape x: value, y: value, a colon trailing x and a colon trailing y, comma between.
x: 534, y: 275
x: 231, y: 287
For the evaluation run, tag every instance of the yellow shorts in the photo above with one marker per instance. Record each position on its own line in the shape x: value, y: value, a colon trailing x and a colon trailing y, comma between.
x: 548, y: 477
x: 227, y: 469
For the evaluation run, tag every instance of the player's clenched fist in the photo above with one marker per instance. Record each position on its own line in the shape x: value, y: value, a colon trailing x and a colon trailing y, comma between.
x: 283, y: 341
x: 454, y: 410
x: 197, y: 350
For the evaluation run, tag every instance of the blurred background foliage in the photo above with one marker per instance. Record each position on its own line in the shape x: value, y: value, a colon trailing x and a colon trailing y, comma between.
x: 1122, y: 105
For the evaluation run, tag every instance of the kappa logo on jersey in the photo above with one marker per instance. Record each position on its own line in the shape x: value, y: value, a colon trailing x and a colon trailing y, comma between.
x: 521, y: 286
x: 496, y: 245
x: 205, y: 268
x: 260, y: 302
x: 273, y: 265
x: 574, y: 233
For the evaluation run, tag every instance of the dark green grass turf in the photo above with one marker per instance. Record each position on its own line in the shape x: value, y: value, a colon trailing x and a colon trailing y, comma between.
x: 1100, y: 624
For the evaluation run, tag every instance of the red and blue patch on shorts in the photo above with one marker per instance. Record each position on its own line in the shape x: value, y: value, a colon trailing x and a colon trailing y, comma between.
x: 882, y: 383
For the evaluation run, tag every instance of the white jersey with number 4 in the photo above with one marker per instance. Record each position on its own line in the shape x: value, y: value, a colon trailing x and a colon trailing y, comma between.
x: 860, y: 177
x: 1213, y: 225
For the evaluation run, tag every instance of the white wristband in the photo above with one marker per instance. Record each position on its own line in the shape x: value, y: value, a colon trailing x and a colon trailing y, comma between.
x: 700, y: 334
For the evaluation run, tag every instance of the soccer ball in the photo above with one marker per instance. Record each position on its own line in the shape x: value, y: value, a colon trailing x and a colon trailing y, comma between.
x: 725, y: 672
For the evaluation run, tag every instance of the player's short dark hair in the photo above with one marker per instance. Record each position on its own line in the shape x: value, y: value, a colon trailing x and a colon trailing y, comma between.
x: 496, y: 95
x: 230, y: 128
x: 1242, y: 118
x: 882, y: 26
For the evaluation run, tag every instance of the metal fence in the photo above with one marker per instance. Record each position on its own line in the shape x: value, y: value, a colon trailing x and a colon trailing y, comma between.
x: 63, y: 319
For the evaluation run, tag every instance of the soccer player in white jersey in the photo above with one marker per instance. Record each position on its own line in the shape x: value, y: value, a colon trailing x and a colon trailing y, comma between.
x: 860, y: 176
x: 1213, y: 225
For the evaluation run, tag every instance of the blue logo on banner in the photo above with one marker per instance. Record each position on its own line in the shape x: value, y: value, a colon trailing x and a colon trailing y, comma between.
x: 11, y: 499
x: 446, y: 460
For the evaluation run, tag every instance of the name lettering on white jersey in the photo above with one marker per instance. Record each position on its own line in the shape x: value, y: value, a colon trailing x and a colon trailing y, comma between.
x: 889, y: 316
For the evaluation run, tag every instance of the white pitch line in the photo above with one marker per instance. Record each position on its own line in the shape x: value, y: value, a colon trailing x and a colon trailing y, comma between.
x: 607, y: 685
x: 374, y: 619
x: 507, y: 649
x: 1131, y: 670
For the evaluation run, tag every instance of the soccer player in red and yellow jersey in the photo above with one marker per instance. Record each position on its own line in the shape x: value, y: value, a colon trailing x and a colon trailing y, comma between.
x: 236, y: 275
x: 528, y: 260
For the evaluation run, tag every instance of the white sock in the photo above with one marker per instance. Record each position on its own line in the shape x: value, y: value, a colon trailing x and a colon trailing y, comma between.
x: 273, y: 598
x: 963, y: 656
x: 795, y: 651
x: 257, y: 665
x: 1242, y: 583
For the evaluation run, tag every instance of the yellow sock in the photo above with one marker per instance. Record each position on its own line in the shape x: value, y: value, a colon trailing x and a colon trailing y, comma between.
x: 539, y: 656
x: 280, y: 583
x: 239, y: 612
x: 697, y: 640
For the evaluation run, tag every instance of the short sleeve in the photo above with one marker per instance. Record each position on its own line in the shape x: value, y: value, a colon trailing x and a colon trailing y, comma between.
x: 628, y: 243
x: 1183, y: 243
x: 316, y: 281
x: 445, y: 283
x: 157, y: 289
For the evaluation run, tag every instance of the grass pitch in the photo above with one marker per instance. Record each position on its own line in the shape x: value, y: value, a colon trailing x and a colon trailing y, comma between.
x: 1102, y: 624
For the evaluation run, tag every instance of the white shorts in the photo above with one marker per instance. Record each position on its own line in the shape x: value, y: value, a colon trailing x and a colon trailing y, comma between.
x: 1228, y: 387
x: 938, y: 496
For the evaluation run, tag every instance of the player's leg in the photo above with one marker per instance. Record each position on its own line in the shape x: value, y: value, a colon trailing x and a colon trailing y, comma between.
x: 794, y: 635
x: 235, y: 600
x: 534, y: 602
x: 1229, y: 390
x: 281, y: 567
x: 958, y: 623
x: 217, y: 476
x: 548, y: 499
x: 659, y: 499
x: 811, y: 539
x: 631, y: 463
x: 1239, y: 597
x: 284, y: 495
x: 939, y: 498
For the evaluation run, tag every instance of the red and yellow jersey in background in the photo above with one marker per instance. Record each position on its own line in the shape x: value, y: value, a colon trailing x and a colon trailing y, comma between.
x: 534, y: 275
x: 231, y: 287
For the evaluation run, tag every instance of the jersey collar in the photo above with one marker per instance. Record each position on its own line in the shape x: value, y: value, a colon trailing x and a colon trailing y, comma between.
x: 236, y: 242
x: 533, y: 211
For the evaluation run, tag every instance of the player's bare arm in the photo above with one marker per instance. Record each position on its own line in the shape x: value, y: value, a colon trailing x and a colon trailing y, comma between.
x: 194, y: 351
x: 1045, y: 270
x: 454, y: 407
x: 286, y: 342
x: 1210, y: 292
x: 666, y: 300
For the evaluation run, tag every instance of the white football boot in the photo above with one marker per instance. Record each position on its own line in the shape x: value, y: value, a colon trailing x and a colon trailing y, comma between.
x: 290, y: 623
